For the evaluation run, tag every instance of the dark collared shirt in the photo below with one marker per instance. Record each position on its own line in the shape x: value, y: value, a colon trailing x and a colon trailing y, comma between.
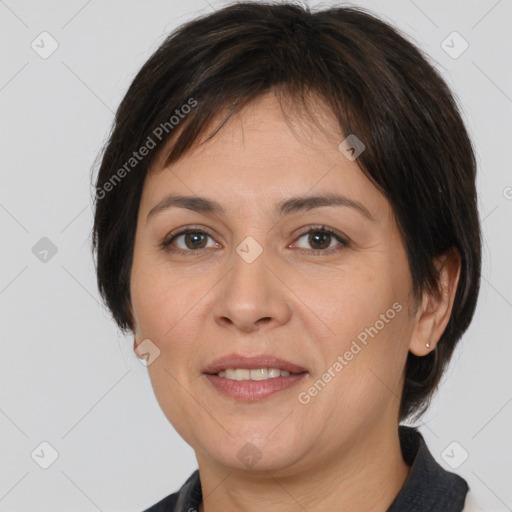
x: 428, y: 487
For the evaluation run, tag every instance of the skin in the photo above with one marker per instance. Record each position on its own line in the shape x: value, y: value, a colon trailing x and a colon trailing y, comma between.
x: 341, y: 450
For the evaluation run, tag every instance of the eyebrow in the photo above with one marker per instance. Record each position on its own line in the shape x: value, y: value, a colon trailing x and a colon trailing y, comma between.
x: 285, y: 207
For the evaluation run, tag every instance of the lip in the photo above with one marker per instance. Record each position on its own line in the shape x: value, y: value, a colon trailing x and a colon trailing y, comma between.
x: 254, y: 390
x: 252, y: 362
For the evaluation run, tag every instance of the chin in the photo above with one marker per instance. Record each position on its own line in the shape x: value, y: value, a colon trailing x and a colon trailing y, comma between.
x: 252, y: 453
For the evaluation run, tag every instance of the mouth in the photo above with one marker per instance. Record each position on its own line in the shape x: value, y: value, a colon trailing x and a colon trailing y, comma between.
x: 258, y: 367
x: 253, y: 378
x: 257, y: 374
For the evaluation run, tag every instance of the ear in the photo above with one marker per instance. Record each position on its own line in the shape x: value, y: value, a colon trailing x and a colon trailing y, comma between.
x: 434, y: 312
x: 138, y: 338
x: 135, y: 329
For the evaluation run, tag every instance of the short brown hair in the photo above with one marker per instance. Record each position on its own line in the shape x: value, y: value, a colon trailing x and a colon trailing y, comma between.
x: 377, y: 84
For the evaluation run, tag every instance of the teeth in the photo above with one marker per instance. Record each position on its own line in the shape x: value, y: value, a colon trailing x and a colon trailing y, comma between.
x: 255, y: 374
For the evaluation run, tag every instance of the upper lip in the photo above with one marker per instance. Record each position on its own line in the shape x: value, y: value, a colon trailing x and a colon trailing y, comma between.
x: 251, y: 362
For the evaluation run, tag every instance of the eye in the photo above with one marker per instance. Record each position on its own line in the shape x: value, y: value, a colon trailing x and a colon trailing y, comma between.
x: 193, y: 240
x: 321, y: 237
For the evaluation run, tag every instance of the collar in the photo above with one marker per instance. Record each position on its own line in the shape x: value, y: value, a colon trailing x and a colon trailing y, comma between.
x: 428, y: 487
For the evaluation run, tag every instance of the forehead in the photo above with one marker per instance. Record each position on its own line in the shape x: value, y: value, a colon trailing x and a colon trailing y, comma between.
x: 263, y: 154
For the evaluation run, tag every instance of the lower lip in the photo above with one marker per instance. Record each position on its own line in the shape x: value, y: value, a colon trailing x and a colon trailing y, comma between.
x: 253, y: 390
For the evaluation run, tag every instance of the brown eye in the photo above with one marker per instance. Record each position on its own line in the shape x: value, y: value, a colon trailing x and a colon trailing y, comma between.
x: 194, y: 240
x: 320, y: 239
x: 190, y: 240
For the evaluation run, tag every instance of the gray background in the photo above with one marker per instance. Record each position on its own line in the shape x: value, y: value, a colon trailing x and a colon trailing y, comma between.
x: 68, y: 377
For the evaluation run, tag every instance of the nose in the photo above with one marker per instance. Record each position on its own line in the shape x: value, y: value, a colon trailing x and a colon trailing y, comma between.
x: 251, y: 296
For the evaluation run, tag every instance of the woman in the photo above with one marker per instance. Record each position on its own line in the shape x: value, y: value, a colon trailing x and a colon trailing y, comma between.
x: 286, y: 221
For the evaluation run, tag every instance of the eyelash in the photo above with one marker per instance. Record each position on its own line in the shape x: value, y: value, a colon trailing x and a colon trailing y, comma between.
x: 315, y: 229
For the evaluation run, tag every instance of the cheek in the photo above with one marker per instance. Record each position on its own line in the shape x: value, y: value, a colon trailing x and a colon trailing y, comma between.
x: 374, y: 324
x: 369, y: 384
x: 165, y: 314
x: 352, y: 300
x: 168, y: 310
x: 367, y: 314
x: 157, y: 297
x: 176, y: 397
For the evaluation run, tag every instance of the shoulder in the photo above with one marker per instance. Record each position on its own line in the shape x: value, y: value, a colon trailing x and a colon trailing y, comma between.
x: 167, y: 504
x: 187, y: 498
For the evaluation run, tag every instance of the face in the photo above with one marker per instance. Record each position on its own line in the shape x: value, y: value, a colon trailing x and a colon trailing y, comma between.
x: 326, y: 288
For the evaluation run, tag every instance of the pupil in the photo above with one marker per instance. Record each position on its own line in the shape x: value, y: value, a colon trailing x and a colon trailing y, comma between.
x: 313, y: 239
x: 193, y: 236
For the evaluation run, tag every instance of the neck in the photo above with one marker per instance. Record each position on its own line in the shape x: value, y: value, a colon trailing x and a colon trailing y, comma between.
x: 367, y: 475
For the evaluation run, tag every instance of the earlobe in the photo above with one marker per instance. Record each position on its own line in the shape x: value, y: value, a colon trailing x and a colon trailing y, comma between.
x: 134, y: 326
x: 136, y: 348
x: 434, y: 313
x: 423, y: 340
x: 137, y: 335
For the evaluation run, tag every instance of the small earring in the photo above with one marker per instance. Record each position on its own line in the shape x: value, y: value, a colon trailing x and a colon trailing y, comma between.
x: 428, y: 345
